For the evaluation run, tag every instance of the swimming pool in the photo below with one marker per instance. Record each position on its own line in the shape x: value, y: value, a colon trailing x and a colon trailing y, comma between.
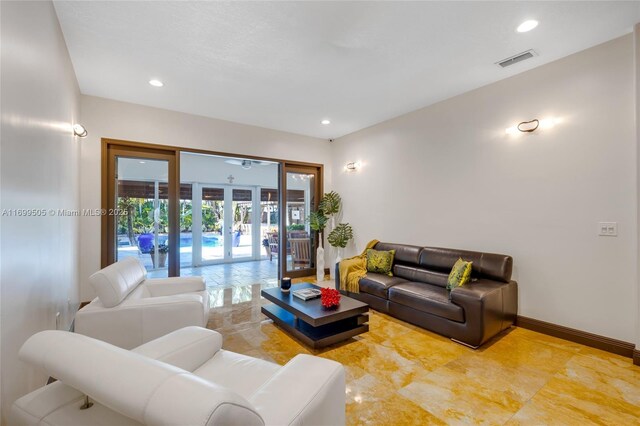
x: 186, y: 240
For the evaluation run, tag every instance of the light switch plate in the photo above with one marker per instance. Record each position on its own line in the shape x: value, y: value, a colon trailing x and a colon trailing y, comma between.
x: 608, y: 229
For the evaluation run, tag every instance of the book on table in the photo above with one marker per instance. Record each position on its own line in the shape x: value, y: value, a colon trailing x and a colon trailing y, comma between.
x: 307, y: 293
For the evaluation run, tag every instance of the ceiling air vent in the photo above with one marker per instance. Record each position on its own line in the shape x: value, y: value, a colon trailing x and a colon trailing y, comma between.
x: 517, y: 58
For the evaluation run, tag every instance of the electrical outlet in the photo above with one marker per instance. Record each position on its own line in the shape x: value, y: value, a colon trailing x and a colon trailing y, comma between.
x: 608, y: 229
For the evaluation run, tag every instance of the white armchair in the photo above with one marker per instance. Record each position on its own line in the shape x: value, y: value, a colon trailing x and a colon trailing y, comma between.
x: 183, y: 378
x: 131, y: 310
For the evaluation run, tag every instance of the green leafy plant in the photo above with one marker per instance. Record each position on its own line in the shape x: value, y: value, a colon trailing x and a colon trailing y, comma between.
x: 317, y: 220
x: 330, y: 203
x: 125, y: 222
x: 163, y: 248
x: 296, y: 227
x: 341, y: 235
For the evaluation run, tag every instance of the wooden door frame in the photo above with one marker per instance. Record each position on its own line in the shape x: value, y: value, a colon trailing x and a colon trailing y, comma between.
x: 114, y: 148
x: 293, y: 167
x: 144, y: 148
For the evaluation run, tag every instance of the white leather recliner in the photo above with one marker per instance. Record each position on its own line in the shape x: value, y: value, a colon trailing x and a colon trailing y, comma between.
x: 183, y: 378
x: 131, y: 310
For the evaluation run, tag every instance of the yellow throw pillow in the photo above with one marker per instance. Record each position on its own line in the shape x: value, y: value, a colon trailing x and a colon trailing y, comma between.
x: 460, y: 274
x: 380, y: 262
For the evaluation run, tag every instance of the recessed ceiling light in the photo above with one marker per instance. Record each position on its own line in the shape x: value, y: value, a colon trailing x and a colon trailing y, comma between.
x: 141, y: 162
x: 527, y: 26
x: 325, y: 122
x: 156, y: 83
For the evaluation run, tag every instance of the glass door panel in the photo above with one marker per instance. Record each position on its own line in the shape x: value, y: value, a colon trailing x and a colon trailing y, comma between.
x: 241, y: 231
x: 300, y: 240
x: 142, y: 198
x: 269, y: 223
x: 186, y: 225
x: 212, y: 240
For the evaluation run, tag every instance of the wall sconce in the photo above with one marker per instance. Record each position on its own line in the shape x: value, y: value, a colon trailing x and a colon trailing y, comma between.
x: 79, y: 131
x: 532, y: 125
x: 352, y: 166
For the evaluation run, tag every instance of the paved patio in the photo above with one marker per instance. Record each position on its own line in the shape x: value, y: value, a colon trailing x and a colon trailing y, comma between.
x: 237, y: 274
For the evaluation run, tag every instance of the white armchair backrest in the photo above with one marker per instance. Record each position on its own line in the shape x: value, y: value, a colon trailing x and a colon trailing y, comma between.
x: 146, y: 390
x: 113, y: 283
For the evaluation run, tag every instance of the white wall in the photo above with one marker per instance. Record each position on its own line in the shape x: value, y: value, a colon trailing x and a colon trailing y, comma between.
x: 40, y: 101
x: 448, y: 175
x: 105, y: 118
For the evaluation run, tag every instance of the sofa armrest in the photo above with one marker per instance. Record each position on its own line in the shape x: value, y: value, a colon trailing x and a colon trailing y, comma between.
x: 475, y: 291
x: 314, y: 389
x: 187, y: 348
x: 489, y: 307
x: 175, y: 285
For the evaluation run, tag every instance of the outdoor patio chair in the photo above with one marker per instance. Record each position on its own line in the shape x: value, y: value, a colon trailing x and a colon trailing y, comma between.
x: 272, y: 238
x: 300, y: 252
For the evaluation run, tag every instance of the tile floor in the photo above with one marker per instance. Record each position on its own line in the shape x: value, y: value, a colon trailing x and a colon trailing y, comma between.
x: 401, y: 374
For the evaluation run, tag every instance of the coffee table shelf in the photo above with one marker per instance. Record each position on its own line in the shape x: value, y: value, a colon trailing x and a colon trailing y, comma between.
x: 310, y: 323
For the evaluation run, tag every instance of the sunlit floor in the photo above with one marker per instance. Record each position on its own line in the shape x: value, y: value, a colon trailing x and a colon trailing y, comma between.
x: 401, y: 374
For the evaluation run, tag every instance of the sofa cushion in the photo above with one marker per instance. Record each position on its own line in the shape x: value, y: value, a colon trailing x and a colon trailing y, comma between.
x: 404, y: 253
x: 380, y: 262
x: 413, y: 273
x: 113, y: 283
x: 240, y: 373
x: 426, y: 298
x: 491, y: 266
x: 379, y: 284
x: 460, y: 274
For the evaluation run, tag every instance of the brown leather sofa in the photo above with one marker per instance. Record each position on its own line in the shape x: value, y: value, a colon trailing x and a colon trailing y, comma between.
x: 417, y: 292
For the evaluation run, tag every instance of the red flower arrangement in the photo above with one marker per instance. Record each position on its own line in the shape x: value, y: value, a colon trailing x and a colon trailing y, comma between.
x: 329, y: 297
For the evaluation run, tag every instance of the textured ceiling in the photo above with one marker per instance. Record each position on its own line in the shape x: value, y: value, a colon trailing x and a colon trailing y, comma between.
x: 288, y: 65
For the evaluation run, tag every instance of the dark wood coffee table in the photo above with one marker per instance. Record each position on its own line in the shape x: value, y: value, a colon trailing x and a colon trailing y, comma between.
x: 312, y: 324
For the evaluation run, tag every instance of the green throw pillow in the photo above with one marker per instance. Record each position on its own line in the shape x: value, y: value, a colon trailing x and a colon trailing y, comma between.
x: 460, y: 274
x: 380, y: 262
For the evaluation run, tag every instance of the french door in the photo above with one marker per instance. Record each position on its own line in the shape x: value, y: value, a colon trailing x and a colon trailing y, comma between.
x: 223, y: 224
x: 140, y: 204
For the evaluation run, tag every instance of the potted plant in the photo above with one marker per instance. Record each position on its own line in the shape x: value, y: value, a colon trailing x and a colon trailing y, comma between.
x: 340, y: 237
x: 163, y: 249
x: 331, y: 204
x: 317, y: 222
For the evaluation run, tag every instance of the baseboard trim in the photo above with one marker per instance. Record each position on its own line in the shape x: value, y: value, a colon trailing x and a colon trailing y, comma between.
x: 588, y: 339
